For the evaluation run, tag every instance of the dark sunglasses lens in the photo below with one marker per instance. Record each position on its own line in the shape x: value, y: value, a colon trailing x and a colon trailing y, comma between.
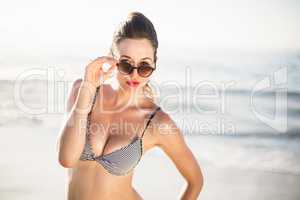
x: 124, y: 67
x: 145, y: 71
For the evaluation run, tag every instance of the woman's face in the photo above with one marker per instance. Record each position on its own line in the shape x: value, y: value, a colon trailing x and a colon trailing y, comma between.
x: 135, y: 52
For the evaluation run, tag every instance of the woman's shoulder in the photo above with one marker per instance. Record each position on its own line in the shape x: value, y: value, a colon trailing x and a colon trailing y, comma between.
x: 162, y: 117
x: 163, y: 121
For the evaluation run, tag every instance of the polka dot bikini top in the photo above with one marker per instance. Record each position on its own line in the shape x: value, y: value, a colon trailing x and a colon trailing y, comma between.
x: 121, y: 161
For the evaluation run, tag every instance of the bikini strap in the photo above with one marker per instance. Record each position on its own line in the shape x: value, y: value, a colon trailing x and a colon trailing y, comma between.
x: 94, y: 99
x: 88, y: 123
x: 148, y: 122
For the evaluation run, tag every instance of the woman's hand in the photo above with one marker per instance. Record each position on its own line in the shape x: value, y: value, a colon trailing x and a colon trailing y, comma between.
x: 95, y: 74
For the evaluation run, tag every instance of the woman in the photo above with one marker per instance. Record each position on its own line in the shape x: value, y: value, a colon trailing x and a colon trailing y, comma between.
x: 101, y: 160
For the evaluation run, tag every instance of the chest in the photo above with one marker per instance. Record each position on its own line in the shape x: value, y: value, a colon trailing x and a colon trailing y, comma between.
x: 109, y: 132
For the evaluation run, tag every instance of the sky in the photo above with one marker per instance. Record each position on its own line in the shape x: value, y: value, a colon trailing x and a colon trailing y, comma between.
x: 68, y: 33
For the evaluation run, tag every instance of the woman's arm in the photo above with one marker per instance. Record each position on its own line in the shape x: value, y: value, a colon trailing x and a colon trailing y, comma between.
x: 171, y: 141
x: 72, y: 135
x: 79, y: 104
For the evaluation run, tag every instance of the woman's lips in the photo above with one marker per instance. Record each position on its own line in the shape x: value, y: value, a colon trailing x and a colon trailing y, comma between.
x: 133, y: 83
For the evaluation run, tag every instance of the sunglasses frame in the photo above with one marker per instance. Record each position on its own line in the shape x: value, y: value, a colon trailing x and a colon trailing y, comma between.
x: 134, y: 67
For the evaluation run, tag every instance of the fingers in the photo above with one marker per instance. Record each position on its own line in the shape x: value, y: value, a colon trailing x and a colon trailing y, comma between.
x: 112, y: 67
x: 107, y: 59
x: 102, y: 68
x: 109, y: 73
x: 104, y: 59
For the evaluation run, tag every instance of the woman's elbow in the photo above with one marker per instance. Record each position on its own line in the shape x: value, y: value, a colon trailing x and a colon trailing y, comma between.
x: 66, y: 162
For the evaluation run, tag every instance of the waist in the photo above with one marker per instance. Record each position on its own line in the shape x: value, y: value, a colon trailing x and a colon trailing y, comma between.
x: 89, y: 181
x: 93, y: 191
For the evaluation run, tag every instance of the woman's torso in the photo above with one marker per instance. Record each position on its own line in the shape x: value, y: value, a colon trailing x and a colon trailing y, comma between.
x: 108, y: 132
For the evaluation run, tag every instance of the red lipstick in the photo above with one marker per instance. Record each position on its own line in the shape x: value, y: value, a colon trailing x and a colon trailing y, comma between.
x: 133, y: 83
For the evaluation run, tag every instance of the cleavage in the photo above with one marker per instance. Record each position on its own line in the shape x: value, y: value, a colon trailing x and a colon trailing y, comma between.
x: 106, y: 137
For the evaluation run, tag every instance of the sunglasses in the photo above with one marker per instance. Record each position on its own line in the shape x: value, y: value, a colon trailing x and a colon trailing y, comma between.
x: 144, y: 69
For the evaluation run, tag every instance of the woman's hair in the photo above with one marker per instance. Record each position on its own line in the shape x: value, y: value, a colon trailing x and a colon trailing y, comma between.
x: 137, y: 26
